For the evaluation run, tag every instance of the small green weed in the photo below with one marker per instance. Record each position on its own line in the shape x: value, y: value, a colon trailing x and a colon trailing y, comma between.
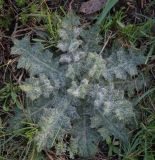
x: 143, y: 142
x: 131, y: 33
x: 113, y: 146
x: 1, y: 4
x: 112, y: 22
x: 28, y: 131
x: 20, y: 3
x: 9, y: 96
x: 27, y: 12
x: 18, y: 144
x: 51, y: 23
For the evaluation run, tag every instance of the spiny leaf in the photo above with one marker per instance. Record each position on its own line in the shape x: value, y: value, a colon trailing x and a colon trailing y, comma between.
x: 113, y: 111
x: 54, y: 124
x: 79, y: 91
x: 70, y: 42
x: 76, y: 92
x: 35, y: 87
x: 36, y: 60
x: 85, y: 138
x: 121, y: 64
x: 111, y: 102
x: 91, y: 39
x: 108, y: 127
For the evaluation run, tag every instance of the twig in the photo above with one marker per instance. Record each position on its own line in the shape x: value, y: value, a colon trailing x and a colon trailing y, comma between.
x: 16, y: 26
x: 70, y: 5
x: 49, y: 156
x: 105, y: 44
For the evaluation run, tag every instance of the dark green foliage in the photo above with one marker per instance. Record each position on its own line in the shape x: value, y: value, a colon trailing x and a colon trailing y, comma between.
x: 9, y: 95
x: 20, y: 3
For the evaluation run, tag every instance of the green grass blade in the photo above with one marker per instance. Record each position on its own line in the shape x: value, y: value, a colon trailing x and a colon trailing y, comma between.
x: 144, y: 95
x: 106, y: 9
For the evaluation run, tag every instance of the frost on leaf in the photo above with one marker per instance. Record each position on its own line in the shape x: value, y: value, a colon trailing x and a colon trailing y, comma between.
x: 121, y: 64
x: 91, y: 68
x: 112, y: 112
x: 35, y: 87
x: 97, y: 63
x: 79, y: 91
x: 70, y: 42
x: 36, y: 60
x: 113, y: 103
x: 53, y: 125
x: 133, y: 84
